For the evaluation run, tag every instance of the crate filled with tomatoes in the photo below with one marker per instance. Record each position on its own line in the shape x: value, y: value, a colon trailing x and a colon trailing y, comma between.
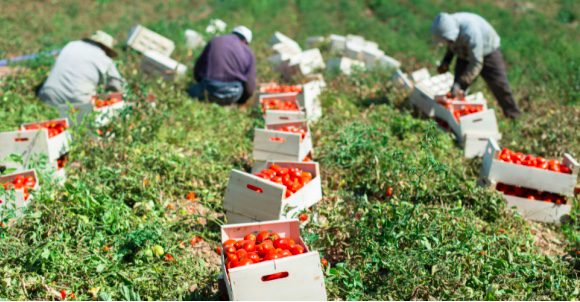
x: 270, y: 261
x: 426, y: 88
x: 469, y: 119
x: 281, y: 108
x: 536, y: 205
x: 50, y: 138
x: 537, y: 186
x: 103, y: 107
x: 289, y: 141
x: 15, y: 189
x: 280, y: 190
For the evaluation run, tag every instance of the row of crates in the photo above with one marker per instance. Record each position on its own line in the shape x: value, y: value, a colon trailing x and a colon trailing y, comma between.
x: 548, y: 192
x: 49, y: 141
x: 254, y: 204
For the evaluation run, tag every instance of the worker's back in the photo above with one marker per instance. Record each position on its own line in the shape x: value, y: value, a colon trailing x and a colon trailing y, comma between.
x: 78, y: 70
x: 225, y: 58
x: 471, y: 25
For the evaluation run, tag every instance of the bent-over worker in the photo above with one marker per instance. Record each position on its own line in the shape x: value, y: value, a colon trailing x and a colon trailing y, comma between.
x: 476, y: 44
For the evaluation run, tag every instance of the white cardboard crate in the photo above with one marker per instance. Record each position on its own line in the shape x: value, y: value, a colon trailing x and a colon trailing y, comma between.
x: 371, y: 55
x: 344, y: 65
x: 306, y: 63
x: 143, y: 39
x: 216, y: 26
x: 305, y: 280
x: 479, y: 122
x: 14, y: 199
x: 193, y: 39
x: 424, y: 92
x: 75, y: 113
x: 354, y: 49
x: 274, y: 117
x: 280, y: 38
x: 537, y: 210
x: 157, y: 64
x: 494, y: 171
x: 271, y: 144
x: 309, y: 100
x: 474, y: 144
x: 34, y: 142
x: 337, y: 43
x: 241, y: 200
x: 286, y: 50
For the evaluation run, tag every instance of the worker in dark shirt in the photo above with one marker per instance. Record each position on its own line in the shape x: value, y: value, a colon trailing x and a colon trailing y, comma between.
x: 226, y: 70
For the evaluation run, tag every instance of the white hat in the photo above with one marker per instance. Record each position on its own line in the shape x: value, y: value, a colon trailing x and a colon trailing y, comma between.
x: 105, y: 40
x: 244, y: 32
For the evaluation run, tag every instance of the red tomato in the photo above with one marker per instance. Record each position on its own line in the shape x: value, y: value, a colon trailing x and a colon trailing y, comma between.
x: 254, y: 257
x: 263, y: 235
x: 274, y: 236
x: 242, y: 254
x: 297, y: 249
x: 249, y: 246
x: 285, y: 253
x: 251, y: 237
x: 271, y: 256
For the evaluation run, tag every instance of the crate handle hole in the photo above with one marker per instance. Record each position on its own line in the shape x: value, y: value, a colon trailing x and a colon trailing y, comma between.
x: 21, y: 139
x: 255, y: 188
x: 284, y: 118
x: 275, y: 276
x: 477, y: 120
x: 277, y: 139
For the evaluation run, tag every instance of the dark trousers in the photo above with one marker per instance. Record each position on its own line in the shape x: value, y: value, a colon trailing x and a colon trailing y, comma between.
x: 495, y: 75
x: 223, y: 93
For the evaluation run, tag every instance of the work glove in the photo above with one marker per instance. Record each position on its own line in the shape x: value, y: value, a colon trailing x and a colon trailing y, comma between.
x: 443, y: 68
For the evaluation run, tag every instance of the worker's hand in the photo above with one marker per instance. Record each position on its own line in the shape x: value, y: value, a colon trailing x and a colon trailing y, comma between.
x: 457, y: 92
x: 443, y: 68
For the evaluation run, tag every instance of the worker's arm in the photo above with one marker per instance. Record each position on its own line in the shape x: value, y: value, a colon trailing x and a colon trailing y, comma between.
x: 114, y: 80
x: 475, y: 49
x: 250, y: 83
x: 444, y: 66
x: 201, y: 64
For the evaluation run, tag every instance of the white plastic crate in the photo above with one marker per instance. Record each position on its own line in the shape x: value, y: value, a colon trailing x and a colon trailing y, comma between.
x: 424, y: 92
x: 34, y: 142
x: 306, y: 63
x: 537, y: 210
x: 193, y: 39
x: 271, y: 144
x: 157, y: 64
x: 258, y: 199
x: 305, y: 279
x: 344, y: 65
x: 144, y: 40
x: 494, y: 171
x: 15, y: 199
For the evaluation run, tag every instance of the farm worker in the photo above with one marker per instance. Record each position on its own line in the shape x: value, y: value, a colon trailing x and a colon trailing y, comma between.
x: 226, y: 69
x: 476, y: 44
x: 81, y: 66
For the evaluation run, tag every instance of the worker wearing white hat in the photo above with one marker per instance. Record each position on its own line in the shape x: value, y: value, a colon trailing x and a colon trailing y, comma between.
x: 225, y: 72
x: 79, y: 69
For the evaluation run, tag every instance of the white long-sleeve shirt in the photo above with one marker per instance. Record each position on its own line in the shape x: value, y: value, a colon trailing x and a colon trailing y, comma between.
x: 79, y: 69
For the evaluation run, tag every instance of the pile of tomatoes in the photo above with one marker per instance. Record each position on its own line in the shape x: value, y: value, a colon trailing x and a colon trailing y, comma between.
x: 61, y: 161
x: 530, y: 194
x: 519, y: 158
x: 255, y: 248
x: 54, y: 128
x: 275, y: 88
x: 277, y: 104
x: 21, y: 183
x: 467, y: 109
x: 293, y: 179
x: 294, y: 129
x: 105, y: 103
